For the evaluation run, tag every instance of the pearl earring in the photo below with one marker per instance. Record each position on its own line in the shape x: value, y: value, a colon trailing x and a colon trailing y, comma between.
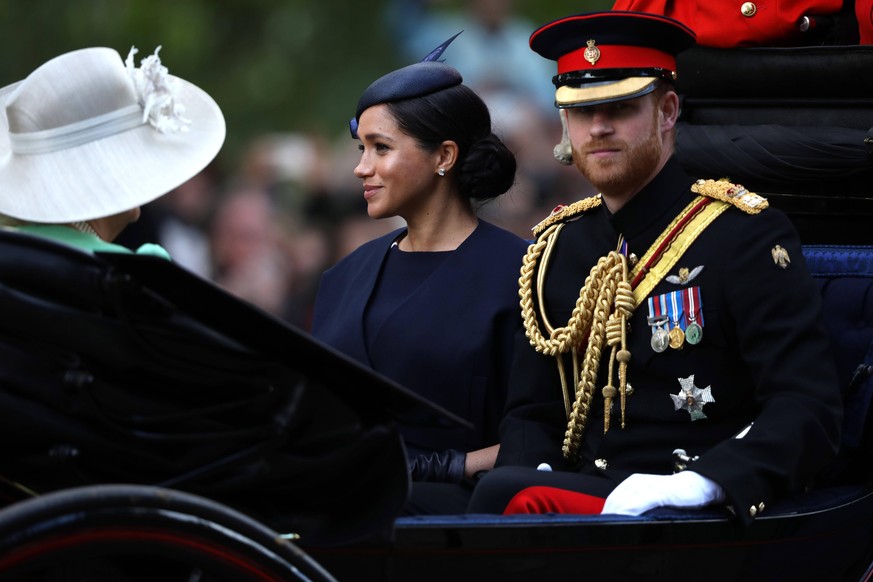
x: 441, y: 171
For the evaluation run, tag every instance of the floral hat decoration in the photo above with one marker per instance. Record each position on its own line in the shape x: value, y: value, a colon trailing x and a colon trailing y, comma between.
x: 89, y: 135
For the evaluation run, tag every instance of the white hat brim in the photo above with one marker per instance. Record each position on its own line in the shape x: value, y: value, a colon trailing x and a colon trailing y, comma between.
x: 110, y: 175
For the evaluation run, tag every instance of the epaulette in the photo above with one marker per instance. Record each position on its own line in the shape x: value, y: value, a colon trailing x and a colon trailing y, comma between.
x: 563, y: 212
x: 734, y: 194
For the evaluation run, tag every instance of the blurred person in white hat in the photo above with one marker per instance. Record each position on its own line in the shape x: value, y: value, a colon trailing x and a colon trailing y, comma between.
x: 88, y: 138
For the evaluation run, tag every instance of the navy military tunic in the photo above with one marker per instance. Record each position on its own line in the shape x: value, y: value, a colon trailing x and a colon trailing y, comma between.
x: 450, y: 340
x: 764, y: 356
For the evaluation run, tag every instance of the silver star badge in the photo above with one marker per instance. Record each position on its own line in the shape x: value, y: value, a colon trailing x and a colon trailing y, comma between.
x: 692, y: 398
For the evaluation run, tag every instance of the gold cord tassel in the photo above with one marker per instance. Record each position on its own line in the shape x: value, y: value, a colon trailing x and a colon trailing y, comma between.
x: 604, y: 304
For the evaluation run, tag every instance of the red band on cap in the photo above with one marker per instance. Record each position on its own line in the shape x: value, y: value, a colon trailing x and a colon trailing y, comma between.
x: 617, y: 57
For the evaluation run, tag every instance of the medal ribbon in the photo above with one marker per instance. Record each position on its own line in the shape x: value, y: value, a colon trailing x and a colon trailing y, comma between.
x: 657, y: 311
x: 692, y: 301
x: 677, y: 310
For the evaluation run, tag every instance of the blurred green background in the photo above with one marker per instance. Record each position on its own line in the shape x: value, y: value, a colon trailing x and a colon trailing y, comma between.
x: 272, y: 65
x: 281, y: 203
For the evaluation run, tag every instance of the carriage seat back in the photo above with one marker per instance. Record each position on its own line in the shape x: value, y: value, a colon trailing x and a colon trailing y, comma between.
x: 845, y: 277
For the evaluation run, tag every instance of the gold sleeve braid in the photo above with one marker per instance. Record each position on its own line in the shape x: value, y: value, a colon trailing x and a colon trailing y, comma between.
x: 601, y: 311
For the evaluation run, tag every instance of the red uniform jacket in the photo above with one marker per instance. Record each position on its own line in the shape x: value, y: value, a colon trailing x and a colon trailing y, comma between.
x: 736, y: 23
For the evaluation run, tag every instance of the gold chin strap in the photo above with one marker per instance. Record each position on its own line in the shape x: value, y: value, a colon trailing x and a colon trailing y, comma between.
x: 605, y: 302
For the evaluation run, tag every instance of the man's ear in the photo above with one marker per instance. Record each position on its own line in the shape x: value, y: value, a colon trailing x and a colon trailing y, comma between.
x: 563, y: 152
x: 668, y: 108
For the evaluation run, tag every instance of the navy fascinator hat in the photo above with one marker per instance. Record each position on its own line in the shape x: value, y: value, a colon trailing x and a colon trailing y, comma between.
x: 422, y: 78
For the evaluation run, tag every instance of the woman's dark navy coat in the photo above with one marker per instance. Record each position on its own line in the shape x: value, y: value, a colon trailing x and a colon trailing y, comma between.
x: 450, y: 341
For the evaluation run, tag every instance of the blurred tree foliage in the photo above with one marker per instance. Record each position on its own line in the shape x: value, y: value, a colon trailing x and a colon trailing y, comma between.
x: 272, y: 65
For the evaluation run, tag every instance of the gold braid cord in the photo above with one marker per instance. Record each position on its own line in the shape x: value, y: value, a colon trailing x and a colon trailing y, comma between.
x: 604, y: 304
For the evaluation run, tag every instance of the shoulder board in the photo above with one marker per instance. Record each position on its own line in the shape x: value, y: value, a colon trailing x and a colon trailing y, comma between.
x: 734, y: 194
x: 563, y: 212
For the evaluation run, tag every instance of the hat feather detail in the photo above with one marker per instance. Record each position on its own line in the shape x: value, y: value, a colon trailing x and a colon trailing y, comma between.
x: 436, y: 53
x: 402, y: 83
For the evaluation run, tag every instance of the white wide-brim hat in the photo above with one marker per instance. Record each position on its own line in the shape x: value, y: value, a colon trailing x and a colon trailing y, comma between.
x: 87, y: 135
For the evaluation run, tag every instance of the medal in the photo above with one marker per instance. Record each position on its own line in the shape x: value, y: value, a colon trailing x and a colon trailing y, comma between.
x: 659, y: 322
x: 691, y: 398
x: 660, y: 340
x: 694, y: 331
x: 660, y: 337
x: 677, y: 336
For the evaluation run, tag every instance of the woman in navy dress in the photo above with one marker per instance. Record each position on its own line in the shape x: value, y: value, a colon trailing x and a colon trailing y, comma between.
x: 433, y: 305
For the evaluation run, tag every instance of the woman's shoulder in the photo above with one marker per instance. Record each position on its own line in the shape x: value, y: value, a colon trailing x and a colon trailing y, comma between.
x: 498, y: 235
x: 498, y: 253
x: 366, y: 251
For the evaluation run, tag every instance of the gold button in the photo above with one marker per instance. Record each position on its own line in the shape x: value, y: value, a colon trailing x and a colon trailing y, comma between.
x: 601, y: 464
x: 753, y: 511
x: 748, y: 9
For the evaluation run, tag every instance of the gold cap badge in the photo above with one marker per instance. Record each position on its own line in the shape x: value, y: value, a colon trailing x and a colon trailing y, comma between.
x: 592, y: 53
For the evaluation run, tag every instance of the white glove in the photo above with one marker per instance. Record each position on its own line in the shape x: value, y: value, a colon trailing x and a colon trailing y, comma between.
x: 641, y: 492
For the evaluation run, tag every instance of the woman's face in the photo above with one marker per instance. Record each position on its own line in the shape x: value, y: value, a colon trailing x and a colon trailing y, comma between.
x: 398, y: 175
x: 109, y: 227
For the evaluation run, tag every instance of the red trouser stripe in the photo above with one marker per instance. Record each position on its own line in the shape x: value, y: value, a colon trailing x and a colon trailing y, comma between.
x: 541, y: 499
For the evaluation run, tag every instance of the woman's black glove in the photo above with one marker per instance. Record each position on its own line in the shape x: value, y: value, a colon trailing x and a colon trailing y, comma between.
x: 443, y: 466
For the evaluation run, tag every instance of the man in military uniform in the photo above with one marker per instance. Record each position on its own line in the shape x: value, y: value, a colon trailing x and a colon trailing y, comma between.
x: 674, y: 353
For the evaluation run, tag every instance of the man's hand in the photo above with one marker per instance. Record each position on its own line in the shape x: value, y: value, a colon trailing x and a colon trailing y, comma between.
x: 641, y: 492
